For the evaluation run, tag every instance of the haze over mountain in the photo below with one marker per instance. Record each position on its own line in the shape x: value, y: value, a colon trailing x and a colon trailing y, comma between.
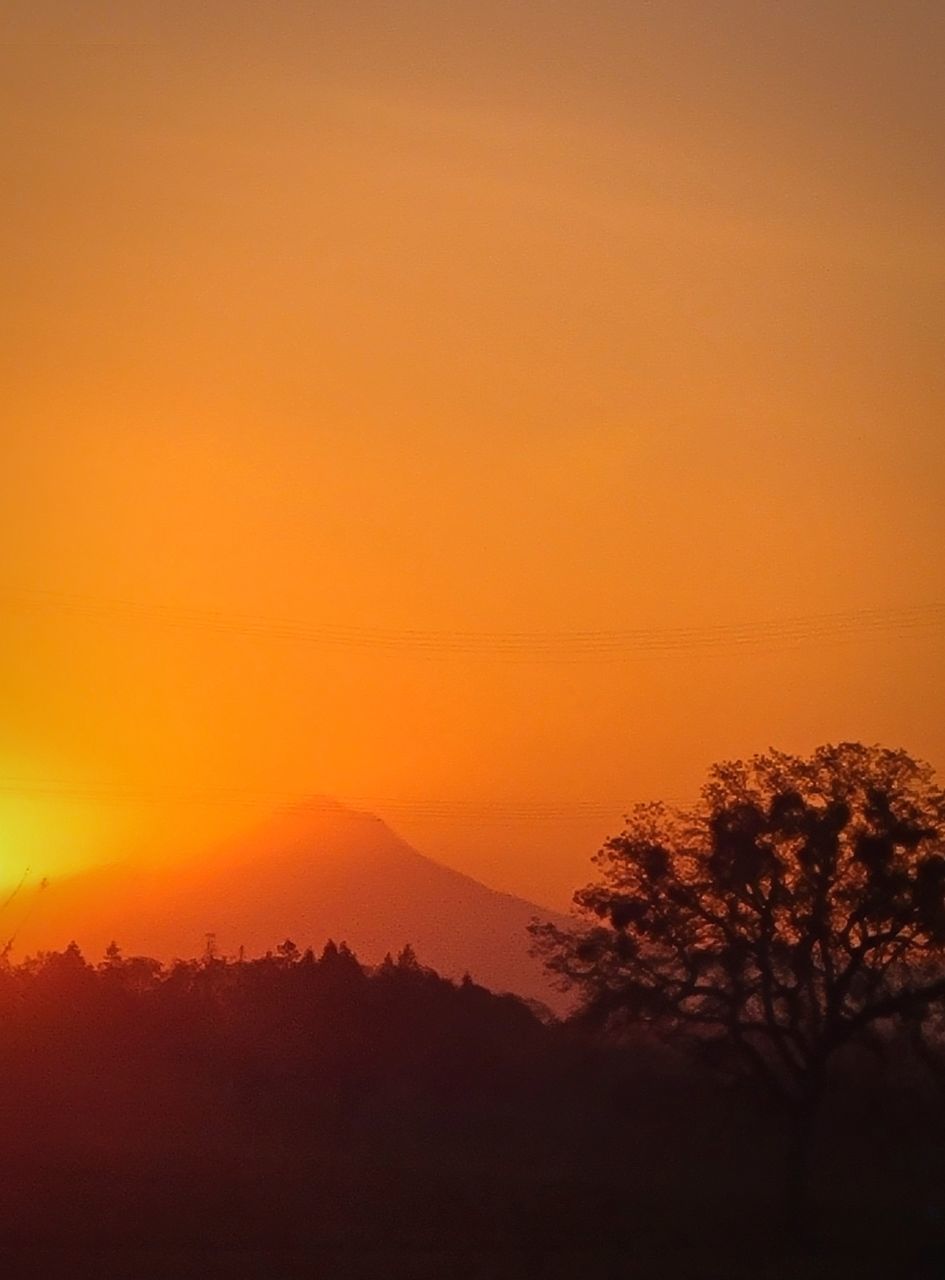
x: 317, y: 871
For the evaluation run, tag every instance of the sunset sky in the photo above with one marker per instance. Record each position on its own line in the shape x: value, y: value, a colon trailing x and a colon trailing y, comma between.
x: 485, y: 413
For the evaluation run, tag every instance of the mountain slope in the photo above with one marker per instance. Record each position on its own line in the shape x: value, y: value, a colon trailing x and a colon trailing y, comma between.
x: 317, y: 872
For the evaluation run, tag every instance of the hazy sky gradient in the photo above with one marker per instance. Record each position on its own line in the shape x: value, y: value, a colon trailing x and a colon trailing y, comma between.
x: 466, y: 317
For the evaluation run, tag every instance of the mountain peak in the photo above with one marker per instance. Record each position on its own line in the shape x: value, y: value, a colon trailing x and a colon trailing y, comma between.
x: 316, y: 870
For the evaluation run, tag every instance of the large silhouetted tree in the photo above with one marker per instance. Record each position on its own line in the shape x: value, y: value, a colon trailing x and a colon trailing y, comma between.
x: 799, y: 907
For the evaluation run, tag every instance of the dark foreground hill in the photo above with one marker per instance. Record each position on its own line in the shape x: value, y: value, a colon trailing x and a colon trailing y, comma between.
x: 301, y: 1116
x: 316, y: 872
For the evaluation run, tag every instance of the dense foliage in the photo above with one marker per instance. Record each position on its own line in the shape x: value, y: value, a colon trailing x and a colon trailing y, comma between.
x: 798, y: 910
x: 800, y: 905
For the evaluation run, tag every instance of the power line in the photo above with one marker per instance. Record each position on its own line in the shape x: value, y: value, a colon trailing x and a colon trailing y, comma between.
x: 561, y: 646
x: 443, y: 808
x: 13, y: 894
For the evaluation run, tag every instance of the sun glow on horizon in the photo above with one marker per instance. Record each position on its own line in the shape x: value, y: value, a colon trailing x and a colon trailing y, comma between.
x: 470, y: 325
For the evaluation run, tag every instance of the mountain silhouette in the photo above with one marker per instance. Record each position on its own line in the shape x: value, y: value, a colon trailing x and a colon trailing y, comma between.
x: 316, y: 871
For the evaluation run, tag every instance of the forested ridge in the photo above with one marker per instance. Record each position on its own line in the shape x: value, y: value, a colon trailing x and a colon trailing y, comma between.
x: 384, y: 1120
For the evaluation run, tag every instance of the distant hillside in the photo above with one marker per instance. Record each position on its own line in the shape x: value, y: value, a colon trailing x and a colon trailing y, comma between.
x: 316, y: 872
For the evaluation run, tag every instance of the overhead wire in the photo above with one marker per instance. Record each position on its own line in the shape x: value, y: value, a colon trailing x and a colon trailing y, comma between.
x: 577, y: 645
x: 445, y: 808
x: 562, y: 646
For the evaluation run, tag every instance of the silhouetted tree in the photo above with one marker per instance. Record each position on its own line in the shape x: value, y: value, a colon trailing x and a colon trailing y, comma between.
x: 64, y: 973
x: 799, y: 907
x: 288, y: 952
x: 339, y: 966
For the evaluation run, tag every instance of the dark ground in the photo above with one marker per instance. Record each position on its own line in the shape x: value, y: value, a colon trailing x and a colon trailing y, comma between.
x: 296, y: 1118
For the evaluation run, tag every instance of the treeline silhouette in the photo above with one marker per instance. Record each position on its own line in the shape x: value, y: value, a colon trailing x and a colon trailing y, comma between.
x: 308, y: 1115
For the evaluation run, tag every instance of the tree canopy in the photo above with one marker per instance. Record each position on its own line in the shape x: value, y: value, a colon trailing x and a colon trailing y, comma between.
x: 799, y: 906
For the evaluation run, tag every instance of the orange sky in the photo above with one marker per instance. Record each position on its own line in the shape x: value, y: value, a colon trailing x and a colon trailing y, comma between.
x: 472, y: 319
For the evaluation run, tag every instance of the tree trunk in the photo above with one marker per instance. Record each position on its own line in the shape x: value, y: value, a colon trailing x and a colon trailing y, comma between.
x: 797, y: 1197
